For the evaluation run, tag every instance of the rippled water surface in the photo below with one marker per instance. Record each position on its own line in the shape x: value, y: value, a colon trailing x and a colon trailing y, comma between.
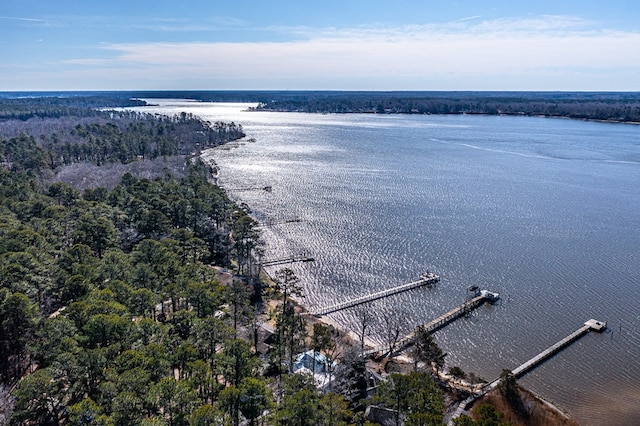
x: 544, y: 211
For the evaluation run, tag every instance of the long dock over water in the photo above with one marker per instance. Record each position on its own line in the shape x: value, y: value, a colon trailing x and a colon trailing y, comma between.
x: 550, y: 351
x: 481, y: 297
x: 425, y: 279
x: 591, y: 325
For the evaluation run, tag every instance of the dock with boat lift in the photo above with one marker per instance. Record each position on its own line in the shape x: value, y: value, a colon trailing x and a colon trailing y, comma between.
x: 436, y: 324
x: 428, y: 278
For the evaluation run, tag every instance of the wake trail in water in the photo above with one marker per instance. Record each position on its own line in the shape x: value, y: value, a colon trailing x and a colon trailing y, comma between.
x: 499, y: 151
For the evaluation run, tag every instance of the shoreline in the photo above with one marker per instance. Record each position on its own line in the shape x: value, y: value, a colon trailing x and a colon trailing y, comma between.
x: 541, y: 406
x: 453, y: 384
x: 351, y: 339
x: 403, y: 363
x: 487, y: 114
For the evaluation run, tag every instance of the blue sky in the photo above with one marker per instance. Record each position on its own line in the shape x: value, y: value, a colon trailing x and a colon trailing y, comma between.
x: 320, y: 45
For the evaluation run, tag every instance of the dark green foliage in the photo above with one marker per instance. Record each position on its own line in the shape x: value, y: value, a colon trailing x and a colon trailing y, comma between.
x: 300, y: 401
x: 37, y: 399
x: 426, y: 350
x: 24, y: 108
x: 321, y: 340
x: 18, y: 322
x: 85, y: 412
x: 487, y: 415
x: 98, y: 232
x: 508, y: 386
x: 237, y: 361
x: 175, y: 399
x: 414, y: 396
x: 63, y: 194
x: 351, y: 380
x: 510, y: 390
x: 137, y: 339
x: 255, y: 398
x: 334, y: 410
x: 290, y: 327
x: 246, y: 239
x: 206, y: 415
x: 23, y: 153
x: 457, y: 372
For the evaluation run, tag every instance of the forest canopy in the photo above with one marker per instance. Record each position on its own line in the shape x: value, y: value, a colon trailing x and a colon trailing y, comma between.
x: 45, y: 133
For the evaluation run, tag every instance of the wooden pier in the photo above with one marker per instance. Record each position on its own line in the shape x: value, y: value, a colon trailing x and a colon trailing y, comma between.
x: 550, y: 351
x: 442, y: 320
x: 286, y: 260
x: 591, y: 325
x: 425, y: 279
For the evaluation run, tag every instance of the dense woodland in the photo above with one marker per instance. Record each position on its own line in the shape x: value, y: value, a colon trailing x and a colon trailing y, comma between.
x: 46, y: 133
x: 596, y: 106
x: 113, y: 306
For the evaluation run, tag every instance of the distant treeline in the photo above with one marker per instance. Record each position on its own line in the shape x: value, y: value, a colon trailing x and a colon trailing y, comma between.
x: 608, y: 106
x: 45, y: 133
x: 616, y: 107
x: 24, y: 108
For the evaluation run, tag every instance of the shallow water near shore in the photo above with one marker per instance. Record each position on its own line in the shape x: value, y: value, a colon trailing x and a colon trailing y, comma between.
x: 544, y: 211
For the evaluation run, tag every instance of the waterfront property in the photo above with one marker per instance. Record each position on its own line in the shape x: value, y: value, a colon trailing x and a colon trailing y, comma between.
x: 535, y: 207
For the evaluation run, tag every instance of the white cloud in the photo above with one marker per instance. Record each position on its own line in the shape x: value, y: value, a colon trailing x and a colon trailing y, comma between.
x: 492, y: 47
x: 535, y: 53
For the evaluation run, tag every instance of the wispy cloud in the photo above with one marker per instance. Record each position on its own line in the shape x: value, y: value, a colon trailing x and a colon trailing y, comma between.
x: 469, y: 18
x: 17, y: 18
x: 543, y: 24
x: 216, y: 23
x: 228, y: 21
x: 90, y: 62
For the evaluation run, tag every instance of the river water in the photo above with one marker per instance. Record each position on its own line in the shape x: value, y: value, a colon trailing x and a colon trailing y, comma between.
x: 544, y: 211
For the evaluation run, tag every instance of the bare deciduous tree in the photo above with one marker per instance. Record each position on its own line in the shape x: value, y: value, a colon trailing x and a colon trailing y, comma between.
x: 392, y: 326
x: 364, y: 322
